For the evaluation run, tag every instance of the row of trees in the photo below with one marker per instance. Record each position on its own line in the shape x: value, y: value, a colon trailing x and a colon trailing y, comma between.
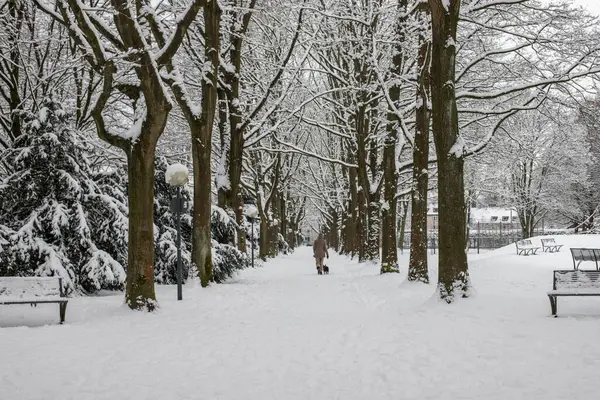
x: 468, y: 72
x: 148, y: 69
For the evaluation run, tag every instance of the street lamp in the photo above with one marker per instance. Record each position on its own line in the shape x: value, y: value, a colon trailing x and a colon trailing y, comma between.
x: 177, y: 176
x: 252, y: 214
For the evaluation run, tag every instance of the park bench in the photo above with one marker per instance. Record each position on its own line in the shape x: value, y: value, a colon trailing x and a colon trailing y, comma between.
x: 525, y: 247
x: 581, y: 254
x: 550, y: 246
x: 573, y: 283
x: 33, y: 291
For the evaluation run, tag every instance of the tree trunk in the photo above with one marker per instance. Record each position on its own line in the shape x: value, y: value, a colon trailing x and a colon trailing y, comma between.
x: 453, y: 268
x: 417, y: 267
x: 140, y: 259
x: 263, y: 244
x: 353, y: 229
x: 373, y: 230
x: 361, y: 227
x: 402, y: 225
x: 202, y: 148
x: 389, y: 246
x: 15, y: 10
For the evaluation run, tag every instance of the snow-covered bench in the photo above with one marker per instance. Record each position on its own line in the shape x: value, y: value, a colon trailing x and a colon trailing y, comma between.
x: 580, y: 255
x: 525, y: 247
x: 573, y: 283
x: 33, y: 291
x: 550, y: 246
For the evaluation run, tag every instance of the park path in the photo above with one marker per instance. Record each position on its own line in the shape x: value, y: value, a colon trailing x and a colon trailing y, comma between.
x: 283, y: 332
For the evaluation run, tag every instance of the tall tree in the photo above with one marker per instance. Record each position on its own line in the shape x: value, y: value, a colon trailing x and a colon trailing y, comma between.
x: 453, y: 278
x: 417, y: 267
x: 389, y: 245
x: 200, y: 120
x: 132, y: 44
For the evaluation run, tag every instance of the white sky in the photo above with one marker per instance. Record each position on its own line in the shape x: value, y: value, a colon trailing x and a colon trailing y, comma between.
x: 592, y: 5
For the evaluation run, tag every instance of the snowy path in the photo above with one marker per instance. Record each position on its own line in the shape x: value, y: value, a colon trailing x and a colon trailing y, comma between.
x: 282, y: 332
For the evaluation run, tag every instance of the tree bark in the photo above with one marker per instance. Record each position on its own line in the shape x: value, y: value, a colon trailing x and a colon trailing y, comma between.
x: 389, y: 245
x: 140, y: 259
x: 417, y: 267
x: 263, y: 243
x: 453, y: 268
x: 11, y: 70
x: 202, y: 148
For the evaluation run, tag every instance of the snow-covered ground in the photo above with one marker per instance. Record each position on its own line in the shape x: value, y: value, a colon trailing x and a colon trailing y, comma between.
x: 283, y: 332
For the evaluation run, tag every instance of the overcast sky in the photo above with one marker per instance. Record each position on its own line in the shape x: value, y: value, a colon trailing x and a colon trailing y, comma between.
x: 592, y: 5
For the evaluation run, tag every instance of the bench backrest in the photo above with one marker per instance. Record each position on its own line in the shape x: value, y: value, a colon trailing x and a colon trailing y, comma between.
x: 549, y: 240
x: 569, y: 279
x: 526, y: 242
x: 21, y: 287
x: 581, y: 254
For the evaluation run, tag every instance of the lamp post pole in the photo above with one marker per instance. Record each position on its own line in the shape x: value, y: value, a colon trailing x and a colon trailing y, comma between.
x: 252, y: 223
x: 177, y: 175
x: 179, y: 266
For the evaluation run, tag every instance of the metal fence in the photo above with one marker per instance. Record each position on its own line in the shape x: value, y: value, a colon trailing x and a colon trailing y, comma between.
x: 483, y: 236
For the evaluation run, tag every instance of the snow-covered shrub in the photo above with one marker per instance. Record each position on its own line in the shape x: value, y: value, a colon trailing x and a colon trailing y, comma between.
x: 282, y: 245
x: 226, y: 258
x: 223, y: 226
x: 165, y: 229
x: 227, y: 261
x: 109, y: 222
x: 49, y: 205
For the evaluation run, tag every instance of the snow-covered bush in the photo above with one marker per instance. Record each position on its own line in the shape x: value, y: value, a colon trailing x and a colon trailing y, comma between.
x: 49, y: 206
x: 282, y: 244
x: 109, y: 222
x: 227, y: 261
x: 223, y: 226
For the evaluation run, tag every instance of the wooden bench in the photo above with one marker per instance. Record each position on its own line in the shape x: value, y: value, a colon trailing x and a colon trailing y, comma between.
x: 525, y: 247
x: 33, y: 291
x: 573, y: 283
x: 550, y: 246
x: 580, y: 255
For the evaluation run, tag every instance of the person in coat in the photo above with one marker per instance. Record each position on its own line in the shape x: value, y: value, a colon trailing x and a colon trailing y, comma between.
x: 320, y: 252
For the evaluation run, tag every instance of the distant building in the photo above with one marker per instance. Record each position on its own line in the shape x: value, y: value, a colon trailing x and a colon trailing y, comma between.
x: 432, y: 218
x: 484, y: 217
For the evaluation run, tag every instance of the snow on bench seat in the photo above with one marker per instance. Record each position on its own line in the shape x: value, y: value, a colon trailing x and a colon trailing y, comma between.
x: 33, y: 290
x: 573, y: 283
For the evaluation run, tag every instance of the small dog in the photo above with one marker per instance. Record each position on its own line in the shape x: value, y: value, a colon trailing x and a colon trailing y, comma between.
x: 326, y: 269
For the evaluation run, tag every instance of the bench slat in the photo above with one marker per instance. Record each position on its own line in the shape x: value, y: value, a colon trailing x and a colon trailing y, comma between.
x: 575, y: 292
x: 36, y: 300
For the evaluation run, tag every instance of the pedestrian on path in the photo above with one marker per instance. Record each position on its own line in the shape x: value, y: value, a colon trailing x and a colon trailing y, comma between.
x: 320, y: 252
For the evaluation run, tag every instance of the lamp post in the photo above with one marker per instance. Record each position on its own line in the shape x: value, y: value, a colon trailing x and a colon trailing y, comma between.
x: 177, y: 176
x: 252, y: 214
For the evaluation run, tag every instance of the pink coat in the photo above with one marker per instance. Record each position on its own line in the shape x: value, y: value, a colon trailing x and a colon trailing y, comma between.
x: 320, y: 248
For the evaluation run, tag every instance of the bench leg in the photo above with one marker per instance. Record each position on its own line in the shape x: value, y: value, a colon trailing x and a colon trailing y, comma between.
x: 63, y: 310
x: 553, y: 304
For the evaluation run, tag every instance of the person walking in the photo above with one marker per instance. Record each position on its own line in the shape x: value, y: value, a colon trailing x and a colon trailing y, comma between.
x: 320, y: 252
